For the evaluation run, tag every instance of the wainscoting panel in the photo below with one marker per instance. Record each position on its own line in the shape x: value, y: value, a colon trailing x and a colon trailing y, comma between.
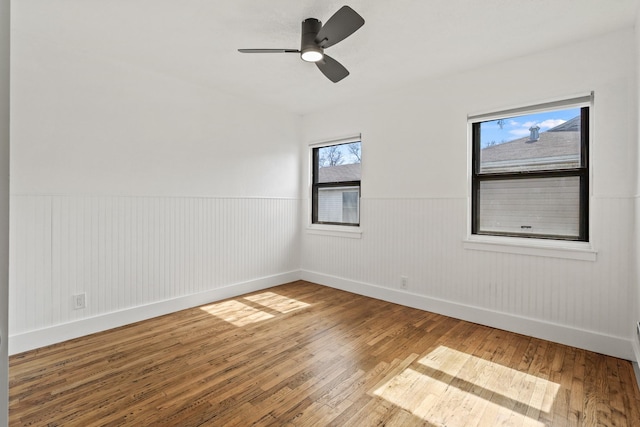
x: 423, y: 239
x: 126, y: 252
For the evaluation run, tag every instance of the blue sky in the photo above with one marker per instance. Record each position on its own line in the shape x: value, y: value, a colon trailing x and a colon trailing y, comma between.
x: 517, y: 127
x: 347, y: 157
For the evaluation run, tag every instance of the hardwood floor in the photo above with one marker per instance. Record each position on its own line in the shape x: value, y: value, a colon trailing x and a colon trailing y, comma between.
x: 301, y: 354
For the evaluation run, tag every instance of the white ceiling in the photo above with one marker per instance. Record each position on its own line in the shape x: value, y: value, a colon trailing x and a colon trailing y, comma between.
x: 402, y: 41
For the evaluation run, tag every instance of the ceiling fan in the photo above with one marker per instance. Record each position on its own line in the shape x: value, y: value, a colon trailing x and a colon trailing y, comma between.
x: 317, y: 37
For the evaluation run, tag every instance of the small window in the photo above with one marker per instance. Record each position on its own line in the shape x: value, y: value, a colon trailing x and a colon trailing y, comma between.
x: 530, y: 174
x: 336, y: 184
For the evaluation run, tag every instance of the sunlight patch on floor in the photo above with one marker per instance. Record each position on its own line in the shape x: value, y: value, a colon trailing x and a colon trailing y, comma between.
x: 449, y: 387
x: 236, y: 313
x: 241, y: 314
x: 277, y: 302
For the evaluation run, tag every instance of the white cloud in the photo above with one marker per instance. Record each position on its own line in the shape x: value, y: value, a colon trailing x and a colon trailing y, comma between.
x: 551, y: 123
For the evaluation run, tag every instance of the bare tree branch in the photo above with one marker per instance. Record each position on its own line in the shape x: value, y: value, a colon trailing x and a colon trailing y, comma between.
x: 354, y: 149
x: 330, y: 156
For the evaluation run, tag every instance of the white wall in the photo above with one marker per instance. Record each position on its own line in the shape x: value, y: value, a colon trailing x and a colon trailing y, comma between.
x: 415, y: 189
x: 90, y: 125
x: 4, y: 210
x: 147, y: 193
x: 635, y: 295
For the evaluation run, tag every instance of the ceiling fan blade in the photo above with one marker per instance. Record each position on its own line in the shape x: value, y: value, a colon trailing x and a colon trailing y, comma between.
x: 269, y: 50
x: 340, y: 26
x: 331, y: 68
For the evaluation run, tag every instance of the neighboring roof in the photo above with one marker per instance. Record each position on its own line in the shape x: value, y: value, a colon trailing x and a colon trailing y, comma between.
x: 349, y: 172
x: 558, y: 145
x: 570, y: 125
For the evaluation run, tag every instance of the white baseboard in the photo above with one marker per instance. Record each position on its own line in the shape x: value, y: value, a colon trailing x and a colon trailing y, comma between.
x: 35, y: 339
x: 588, y: 340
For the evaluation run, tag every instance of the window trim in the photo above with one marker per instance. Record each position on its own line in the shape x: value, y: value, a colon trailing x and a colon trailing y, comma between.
x: 565, y: 249
x: 583, y: 172
x: 351, y: 230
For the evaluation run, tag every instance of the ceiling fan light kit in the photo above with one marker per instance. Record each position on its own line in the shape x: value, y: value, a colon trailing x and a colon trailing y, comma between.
x: 310, y: 51
x: 316, y: 38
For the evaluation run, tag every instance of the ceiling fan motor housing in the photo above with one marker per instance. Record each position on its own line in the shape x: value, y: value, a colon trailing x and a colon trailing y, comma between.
x: 308, y: 45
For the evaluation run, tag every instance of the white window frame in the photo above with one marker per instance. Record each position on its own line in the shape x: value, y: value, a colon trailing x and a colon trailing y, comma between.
x: 577, y: 250
x: 349, y: 231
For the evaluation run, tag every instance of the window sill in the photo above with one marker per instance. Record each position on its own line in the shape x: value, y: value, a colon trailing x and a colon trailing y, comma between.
x: 335, y: 231
x: 582, y: 251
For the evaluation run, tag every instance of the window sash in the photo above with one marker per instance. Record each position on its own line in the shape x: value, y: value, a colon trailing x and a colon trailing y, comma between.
x: 544, y: 207
x: 320, y: 216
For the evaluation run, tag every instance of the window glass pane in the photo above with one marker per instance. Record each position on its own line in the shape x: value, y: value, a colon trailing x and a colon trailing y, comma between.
x: 532, y: 206
x: 540, y: 141
x: 339, y: 163
x: 338, y: 205
x: 350, y: 212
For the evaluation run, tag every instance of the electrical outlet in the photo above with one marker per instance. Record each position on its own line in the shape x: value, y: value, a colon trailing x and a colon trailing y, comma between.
x: 79, y: 301
x: 404, y: 282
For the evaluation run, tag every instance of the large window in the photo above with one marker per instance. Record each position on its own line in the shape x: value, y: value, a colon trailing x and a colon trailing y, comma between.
x: 336, y: 184
x: 530, y: 173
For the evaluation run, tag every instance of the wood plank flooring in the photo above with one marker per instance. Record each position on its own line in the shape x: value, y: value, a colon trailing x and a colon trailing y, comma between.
x: 301, y: 354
